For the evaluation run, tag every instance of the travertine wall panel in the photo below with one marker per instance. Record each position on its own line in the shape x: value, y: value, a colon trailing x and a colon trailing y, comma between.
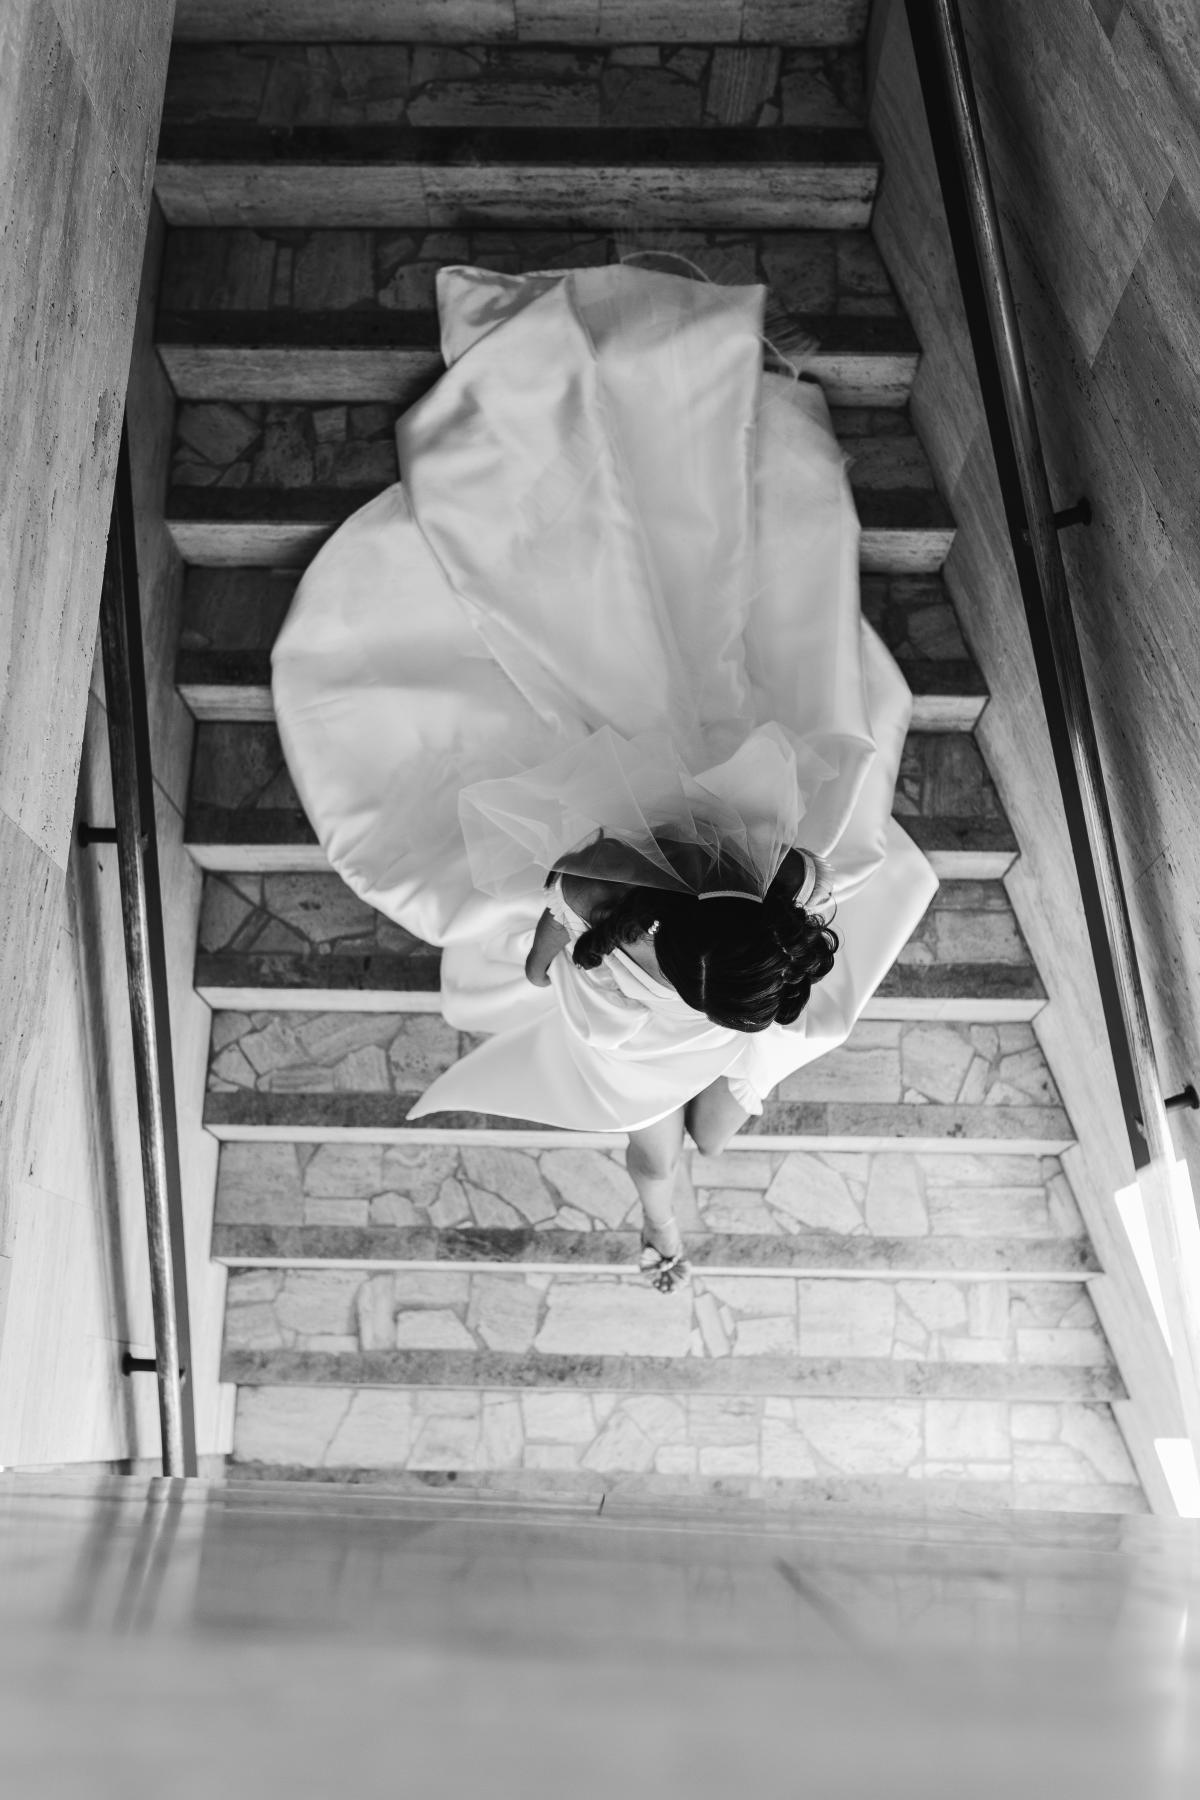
x: 80, y: 96
x: 1090, y: 113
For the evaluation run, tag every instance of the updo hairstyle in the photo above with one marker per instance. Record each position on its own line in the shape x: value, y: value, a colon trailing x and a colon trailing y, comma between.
x: 745, y: 965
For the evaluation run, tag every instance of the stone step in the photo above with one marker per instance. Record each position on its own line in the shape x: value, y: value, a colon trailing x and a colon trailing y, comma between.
x: 298, y: 941
x: 230, y: 173
x: 265, y: 484
x: 351, y: 315
x: 354, y: 1076
x: 244, y: 815
x: 777, y: 1333
x: 893, y: 1212
x: 624, y: 22
x: 788, y: 1451
x: 231, y: 618
x: 488, y: 86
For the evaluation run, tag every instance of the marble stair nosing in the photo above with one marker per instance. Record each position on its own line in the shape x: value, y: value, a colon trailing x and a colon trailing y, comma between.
x: 734, y: 22
x: 820, y: 1255
x: 366, y: 357
x: 979, y: 994
x: 857, y: 1378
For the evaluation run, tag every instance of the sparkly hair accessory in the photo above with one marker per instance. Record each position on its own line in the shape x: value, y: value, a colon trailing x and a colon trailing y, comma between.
x: 730, y: 894
x: 805, y: 891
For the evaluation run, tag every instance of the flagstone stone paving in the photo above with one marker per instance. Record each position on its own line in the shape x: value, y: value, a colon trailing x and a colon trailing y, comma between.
x: 241, y: 782
x: 1024, y: 1451
x: 889, y: 1194
x: 258, y: 928
x: 817, y: 274
x: 483, y: 85
x: 340, y: 1312
x: 231, y: 610
x: 290, y: 445
x: 890, y: 1062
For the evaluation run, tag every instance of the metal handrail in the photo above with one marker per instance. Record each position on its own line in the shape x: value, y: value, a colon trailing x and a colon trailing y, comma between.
x: 956, y: 133
x: 136, y: 837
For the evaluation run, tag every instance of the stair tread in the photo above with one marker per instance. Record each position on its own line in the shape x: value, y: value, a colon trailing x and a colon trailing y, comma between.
x: 232, y: 617
x: 328, y: 1073
x: 1064, y: 1454
x: 243, y: 810
x: 352, y: 314
x: 779, y: 1332
x: 265, y: 483
x: 305, y: 940
x: 747, y: 1207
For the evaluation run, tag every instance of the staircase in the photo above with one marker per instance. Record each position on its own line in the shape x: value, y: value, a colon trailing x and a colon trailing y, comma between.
x: 891, y: 1305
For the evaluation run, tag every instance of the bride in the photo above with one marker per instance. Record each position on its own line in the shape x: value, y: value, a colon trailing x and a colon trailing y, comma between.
x: 587, y: 700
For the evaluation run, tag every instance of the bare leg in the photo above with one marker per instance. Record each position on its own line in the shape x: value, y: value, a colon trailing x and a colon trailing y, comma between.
x: 713, y: 1117
x: 653, y: 1163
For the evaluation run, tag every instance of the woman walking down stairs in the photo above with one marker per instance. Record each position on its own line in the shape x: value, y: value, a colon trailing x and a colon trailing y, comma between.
x: 890, y: 1303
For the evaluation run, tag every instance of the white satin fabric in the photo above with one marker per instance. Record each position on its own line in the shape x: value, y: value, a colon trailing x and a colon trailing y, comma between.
x: 609, y: 522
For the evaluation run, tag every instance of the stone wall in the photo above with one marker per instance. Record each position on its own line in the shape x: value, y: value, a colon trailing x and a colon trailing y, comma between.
x: 80, y: 97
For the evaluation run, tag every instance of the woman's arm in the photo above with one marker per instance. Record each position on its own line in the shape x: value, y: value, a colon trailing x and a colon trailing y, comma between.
x: 549, y: 938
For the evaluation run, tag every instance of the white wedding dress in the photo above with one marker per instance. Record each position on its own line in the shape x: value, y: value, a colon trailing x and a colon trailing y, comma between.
x: 612, y: 530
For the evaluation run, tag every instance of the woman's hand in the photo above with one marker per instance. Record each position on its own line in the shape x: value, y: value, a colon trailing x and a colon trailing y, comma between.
x: 549, y: 938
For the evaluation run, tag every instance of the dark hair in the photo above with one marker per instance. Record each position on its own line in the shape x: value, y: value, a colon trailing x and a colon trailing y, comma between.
x: 744, y: 965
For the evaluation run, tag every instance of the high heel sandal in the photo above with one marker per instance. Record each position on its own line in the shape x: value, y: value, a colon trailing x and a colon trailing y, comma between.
x: 666, y: 1273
